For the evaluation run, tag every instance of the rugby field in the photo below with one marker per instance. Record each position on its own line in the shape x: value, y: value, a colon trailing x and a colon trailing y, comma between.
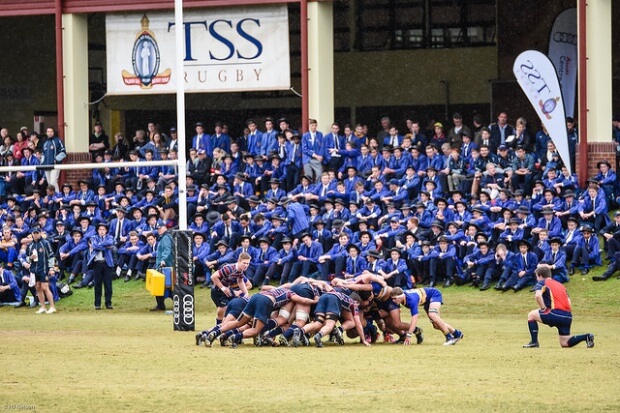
x: 129, y: 359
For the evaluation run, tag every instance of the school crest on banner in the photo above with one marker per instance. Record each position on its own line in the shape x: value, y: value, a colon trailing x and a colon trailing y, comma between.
x: 145, y: 60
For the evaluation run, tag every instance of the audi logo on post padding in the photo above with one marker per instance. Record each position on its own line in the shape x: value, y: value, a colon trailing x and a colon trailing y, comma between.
x: 563, y: 37
x: 188, y: 309
x: 176, y: 309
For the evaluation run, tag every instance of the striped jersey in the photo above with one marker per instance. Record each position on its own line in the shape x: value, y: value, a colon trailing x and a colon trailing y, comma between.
x: 230, y: 276
x: 281, y: 296
x: 346, y: 302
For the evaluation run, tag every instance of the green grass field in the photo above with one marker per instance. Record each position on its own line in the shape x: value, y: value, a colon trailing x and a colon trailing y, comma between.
x: 129, y: 359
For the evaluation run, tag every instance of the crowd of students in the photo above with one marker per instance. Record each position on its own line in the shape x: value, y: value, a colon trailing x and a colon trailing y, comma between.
x: 482, y: 206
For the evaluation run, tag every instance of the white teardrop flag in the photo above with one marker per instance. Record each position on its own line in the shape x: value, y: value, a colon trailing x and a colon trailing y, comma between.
x: 537, y: 77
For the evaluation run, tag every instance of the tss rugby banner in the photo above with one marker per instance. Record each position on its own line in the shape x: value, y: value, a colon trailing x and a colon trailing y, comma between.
x: 226, y: 50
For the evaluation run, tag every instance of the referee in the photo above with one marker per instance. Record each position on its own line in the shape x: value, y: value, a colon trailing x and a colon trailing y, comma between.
x: 554, y: 311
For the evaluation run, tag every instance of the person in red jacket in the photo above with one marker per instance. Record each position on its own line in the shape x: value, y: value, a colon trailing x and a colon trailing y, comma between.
x: 554, y: 311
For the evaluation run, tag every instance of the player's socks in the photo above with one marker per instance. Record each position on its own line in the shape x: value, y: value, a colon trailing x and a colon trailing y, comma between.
x: 231, y: 332
x: 237, y: 337
x: 449, y: 336
x: 288, y: 334
x: 457, y: 333
x: 275, y: 332
x: 319, y: 334
x: 574, y: 340
x: 217, y: 330
x: 270, y: 325
x: 218, y: 321
x: 533, y: 326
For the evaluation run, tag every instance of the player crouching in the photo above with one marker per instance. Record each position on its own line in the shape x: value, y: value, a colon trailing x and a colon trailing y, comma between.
x: 331, y: 307
x: 431, y: 299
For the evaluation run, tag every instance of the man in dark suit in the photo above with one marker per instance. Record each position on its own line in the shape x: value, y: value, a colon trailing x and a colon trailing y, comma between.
x: 501, y: 130
x: 102, y: 262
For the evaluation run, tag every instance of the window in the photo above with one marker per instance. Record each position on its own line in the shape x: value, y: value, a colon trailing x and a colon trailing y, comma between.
x: 413, y: 24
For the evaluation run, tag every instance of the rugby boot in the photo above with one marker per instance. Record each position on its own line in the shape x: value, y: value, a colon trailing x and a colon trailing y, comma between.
x: 268, y: 341
x: 317, y: 340
x: 449, y: 340
x: 458, y: 335
x: 297, y: 337
x: 338, y: 336
x: 419, y: 335
x: 209, y: 339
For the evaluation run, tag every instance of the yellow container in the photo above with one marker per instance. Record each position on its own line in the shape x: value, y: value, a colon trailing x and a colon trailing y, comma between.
x: 155, y: 282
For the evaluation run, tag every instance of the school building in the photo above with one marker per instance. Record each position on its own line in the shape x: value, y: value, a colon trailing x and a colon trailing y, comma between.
x: 349, y: 61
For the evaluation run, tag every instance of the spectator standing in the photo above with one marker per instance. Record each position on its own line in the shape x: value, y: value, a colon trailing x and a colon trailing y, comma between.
x: 455, y: 135
x: 98, y: 142
x: 40, y: 262
x: 53, y: 152
x: 163, y: 258
x: 101, y: 262
x: 312, y: 151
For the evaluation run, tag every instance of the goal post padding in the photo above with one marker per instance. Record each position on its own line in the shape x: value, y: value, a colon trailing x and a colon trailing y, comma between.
x: 183, y: 294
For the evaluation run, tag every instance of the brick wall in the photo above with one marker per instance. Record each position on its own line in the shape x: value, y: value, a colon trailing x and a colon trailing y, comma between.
x: 598, y: 151
x: 72, y: 176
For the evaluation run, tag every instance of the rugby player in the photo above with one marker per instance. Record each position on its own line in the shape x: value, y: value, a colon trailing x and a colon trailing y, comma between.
x: 431, y: 299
